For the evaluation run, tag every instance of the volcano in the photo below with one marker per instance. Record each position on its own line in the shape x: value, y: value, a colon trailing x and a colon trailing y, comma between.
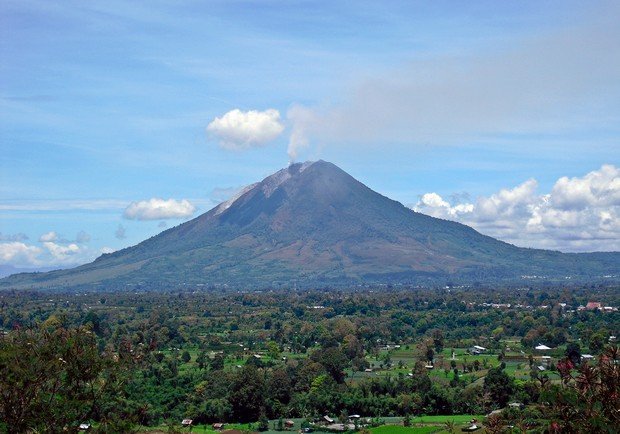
x: 313, y: 224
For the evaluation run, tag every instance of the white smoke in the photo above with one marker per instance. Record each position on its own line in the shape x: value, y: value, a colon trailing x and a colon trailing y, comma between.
x: 302, y: 120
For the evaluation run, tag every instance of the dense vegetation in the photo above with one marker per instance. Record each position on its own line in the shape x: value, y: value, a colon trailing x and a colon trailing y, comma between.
x: 121, y: 359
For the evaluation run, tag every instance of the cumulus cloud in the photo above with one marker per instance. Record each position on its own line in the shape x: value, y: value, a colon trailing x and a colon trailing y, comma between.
x: 19, y: 254
x: 120, y: 232
x: 238, y: 130
x: 579, y: 214
x: 158, y: 209
x: 599, y: 188
x: 48, y: 236
x: 48, y: 254
x: 62, y: 253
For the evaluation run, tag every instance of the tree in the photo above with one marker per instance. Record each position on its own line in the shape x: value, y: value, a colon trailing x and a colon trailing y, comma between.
x: 499, y: 385
x: 247, y: 392
x: 407, y: 420
x: 438, y: 340
x: 186, y: 357
x: 217, y: 363
x: 573, y: 352
x: 450, y: 426
x: 333, y: 360
x: 430, y: 354
x: 201, y: 360
x: 597, y: 342
x: 52, y: 378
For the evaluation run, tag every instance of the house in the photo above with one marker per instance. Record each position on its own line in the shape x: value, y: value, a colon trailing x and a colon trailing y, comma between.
x: 289, y: 424
x: 593, y: 305
x: 477, y: 349
x: 546, y: 360
x: 541, y: 347
x: 218, y: 426
x: 84, y: 427
x: 586, y: 357
x: 328, y: 419
x: 187, y: 422
x: 540, y: 368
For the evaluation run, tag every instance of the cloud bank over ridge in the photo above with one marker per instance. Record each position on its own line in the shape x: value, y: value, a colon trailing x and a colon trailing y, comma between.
x: 579, y: 214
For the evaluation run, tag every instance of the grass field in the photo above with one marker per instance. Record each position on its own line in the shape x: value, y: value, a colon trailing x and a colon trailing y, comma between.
x: 422, y: 425
x: 456, y: 418
x: 397, y: 429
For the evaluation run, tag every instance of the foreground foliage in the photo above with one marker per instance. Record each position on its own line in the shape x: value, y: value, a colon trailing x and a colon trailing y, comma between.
x: 54, y: 378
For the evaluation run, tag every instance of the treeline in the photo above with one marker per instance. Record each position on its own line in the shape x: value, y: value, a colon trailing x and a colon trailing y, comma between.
x: 298, y: 319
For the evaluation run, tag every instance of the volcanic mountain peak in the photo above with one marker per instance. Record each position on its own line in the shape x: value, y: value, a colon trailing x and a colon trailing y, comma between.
x: 267, y: 185
x: 312, y: 223
x: 272, y: 182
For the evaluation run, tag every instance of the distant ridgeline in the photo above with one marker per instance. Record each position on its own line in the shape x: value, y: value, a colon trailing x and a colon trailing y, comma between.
x: 312, y: 224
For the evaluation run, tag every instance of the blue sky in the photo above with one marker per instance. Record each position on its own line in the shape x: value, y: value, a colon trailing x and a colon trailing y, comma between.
x: 449, y: 107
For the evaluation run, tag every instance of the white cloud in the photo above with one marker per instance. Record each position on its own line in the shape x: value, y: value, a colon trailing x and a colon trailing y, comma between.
x: 49, y: 254
x: 62, y: 254
x: 579, y: 214
x: 19, y: 254
x: 238, y: 130
x: 433, y: 200
x: 159, y: 209
x: 49, y: 236
x: 599, y: 188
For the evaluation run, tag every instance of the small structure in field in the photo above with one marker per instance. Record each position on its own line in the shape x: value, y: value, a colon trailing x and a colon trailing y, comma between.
x: 187, y: 422
x: 477, y: 349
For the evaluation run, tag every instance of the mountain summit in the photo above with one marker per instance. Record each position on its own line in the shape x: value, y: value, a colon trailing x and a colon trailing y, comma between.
x: 312, y: 223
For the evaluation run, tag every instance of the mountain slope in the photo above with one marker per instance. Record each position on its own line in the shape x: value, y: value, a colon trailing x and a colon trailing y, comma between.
x: 313, y: 223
